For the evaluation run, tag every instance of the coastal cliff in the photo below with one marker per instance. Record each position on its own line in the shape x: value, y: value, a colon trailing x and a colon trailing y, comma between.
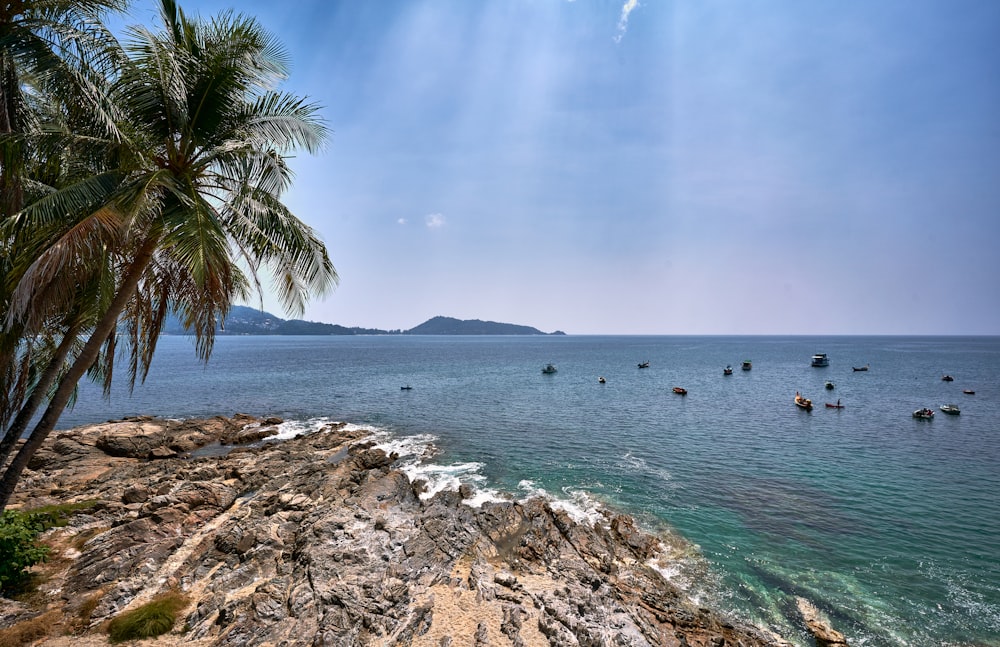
x: 319, y: 540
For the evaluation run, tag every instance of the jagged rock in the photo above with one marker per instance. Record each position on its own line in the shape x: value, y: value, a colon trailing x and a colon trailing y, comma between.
x: 162, y: 452
x: 249, y: 435
x: 819, y: 626
x: 319, y: 541
x: 135, y: 495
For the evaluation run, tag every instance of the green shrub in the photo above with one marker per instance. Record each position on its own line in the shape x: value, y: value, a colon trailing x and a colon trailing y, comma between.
x: 19, y: 530
x: 151, y: 619
x: 18, y: 550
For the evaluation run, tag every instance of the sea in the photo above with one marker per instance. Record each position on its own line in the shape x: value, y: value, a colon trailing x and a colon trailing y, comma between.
x: 888, y: 523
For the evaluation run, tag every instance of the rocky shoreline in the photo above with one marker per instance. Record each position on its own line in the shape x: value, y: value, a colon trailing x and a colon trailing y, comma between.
x: 319, y: 540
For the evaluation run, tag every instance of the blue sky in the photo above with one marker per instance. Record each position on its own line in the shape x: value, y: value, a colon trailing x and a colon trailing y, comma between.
x: 710, y: 167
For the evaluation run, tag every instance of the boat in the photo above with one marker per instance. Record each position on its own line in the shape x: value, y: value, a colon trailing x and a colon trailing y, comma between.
x: 803, y: 403
x: 830, y: 405
x: 947, y: 378
x: 820, y: 359
x: 828, y: 386
x: 747, y: 365
x: 406, y: 388
x: 644, y: 364
x: 680, y: 391
x: 549, y: 369
x: 860, y: 368
x: 950, y: 409
x: 968, y: 392
x: 924, y: 414
x: 728, y: 370
x: 601, y: 380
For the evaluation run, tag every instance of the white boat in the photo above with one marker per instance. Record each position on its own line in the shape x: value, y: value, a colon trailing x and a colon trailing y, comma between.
x: 549, y: 368
x: 820, y: 359
x: 925, y: 413
x: 950, y: 409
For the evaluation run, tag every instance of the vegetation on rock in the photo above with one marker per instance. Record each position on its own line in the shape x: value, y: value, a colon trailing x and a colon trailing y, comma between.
x: 19, y: 546
x: 152, y: 619
x: 19, y: 549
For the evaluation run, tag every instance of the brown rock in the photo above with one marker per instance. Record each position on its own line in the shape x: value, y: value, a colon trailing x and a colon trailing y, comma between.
x: 162, y: 452
x: 819, y: 626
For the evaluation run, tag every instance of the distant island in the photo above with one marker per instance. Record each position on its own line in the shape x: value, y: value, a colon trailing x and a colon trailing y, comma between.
x: 451, y: 326
x: 243, y: 320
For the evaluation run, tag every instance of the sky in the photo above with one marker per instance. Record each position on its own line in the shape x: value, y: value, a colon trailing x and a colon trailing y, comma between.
x: 651, y: 167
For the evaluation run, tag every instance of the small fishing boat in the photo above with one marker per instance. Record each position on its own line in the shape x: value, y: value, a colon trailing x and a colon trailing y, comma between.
x: 830, y: 405
x: 406, y: 388
x: 680, y: 391
x: 820, y: 359
x: 923, y: 414
x: 828, y: 386
x: 968, y: 392
x: 803, y: 403
x: 860, y: 368
x: 601, y: 380
x: 747, y: 365
x: 950, y: 409
x: 728, y: 370
x: 644, y: 364
x: 947, y: 378
x: 549, y: 369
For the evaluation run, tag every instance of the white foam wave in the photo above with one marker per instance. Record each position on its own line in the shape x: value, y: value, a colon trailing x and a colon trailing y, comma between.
x: 414, y: 454
x: 414, y: 459
x: 578, y: 504
x: 632, y: 463
x: 295, y: 428
x: 409, y: 448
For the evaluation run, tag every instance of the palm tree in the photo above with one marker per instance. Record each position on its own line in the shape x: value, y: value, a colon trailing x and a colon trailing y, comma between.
x: 47, y: 45
x: 201, y: 168
x: 54, y: 55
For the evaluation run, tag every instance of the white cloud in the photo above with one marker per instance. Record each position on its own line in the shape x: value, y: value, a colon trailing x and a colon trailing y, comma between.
x: 434, y: 220
x: 623, y: 21
x: 401, y: 221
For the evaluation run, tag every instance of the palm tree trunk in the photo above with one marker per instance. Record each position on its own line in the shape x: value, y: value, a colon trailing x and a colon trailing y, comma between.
x: 12, y: 158
x: 89, y: 354
x: 30, y: 406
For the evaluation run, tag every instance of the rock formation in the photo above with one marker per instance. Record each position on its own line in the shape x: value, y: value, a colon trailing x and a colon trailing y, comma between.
x: 819, y: 626
x: 319, y: 541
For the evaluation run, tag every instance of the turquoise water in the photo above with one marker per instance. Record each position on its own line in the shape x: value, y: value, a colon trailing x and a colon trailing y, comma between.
x: 888, y: 523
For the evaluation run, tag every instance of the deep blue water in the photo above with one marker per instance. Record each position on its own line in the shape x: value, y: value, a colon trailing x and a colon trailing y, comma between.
x: 888, y: 523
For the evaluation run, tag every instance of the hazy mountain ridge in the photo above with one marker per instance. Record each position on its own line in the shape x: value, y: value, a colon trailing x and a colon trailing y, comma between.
x: 243, y: 320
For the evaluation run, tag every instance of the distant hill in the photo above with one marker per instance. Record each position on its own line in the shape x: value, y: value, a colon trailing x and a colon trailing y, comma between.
x: 451, y: 326
x: 251, y: 321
